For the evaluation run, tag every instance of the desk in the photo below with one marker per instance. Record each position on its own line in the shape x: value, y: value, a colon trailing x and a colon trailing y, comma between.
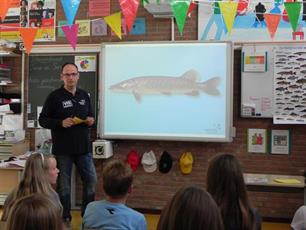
x: 267, y: 183
x: 9, y: 179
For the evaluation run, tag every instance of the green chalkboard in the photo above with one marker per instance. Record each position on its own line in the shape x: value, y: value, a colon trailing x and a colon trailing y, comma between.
x: 44, y: 77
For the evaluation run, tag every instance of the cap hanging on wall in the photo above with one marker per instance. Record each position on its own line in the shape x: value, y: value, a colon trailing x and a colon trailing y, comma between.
x: 133, y: 159
x: 165, y: 162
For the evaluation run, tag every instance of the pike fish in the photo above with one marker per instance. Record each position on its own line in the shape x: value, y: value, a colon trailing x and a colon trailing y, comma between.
x: 166, y: 85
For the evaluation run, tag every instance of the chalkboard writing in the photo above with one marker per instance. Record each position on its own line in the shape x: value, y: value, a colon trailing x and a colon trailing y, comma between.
x: 44, y: 77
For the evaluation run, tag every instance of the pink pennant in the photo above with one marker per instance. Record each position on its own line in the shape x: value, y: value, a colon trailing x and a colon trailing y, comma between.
x: 71, y: 33
x: 129, y: 10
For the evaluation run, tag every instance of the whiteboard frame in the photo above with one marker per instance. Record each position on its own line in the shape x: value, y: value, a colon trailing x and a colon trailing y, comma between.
x: 229, y: 98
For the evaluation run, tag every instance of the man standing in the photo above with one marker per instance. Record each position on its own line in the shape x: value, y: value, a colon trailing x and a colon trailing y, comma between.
x: 67, y: 112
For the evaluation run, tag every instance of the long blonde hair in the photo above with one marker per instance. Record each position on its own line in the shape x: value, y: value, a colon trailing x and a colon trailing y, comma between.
x: 34, y: 180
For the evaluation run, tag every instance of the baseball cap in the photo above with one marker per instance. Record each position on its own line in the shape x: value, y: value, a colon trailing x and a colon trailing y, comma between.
x: 165, y: 162
x: 133, y: 159
x: 149, y: 162
x: 186, y: 161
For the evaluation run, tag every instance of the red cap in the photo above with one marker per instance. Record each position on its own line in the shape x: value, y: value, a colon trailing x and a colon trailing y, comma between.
x: 133, y: 159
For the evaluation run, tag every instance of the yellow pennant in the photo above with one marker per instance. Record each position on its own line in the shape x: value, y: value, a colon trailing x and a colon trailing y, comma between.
x: 114, y: 22
x: 228, y: 11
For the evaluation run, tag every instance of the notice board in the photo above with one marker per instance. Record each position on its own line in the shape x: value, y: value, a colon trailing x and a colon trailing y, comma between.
x: 276, y: 90
x: 44, y: 77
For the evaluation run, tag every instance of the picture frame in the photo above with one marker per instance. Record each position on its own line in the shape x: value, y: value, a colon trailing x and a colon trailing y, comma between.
x: 257, y: 141
x: 280, y: 142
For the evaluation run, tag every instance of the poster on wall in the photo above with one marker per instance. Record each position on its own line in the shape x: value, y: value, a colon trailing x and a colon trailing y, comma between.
x: 29, y: 13
x: 9, y: 26
x: 257, y: 140
x: 289, y: 85
x: 249, y: 23
x: 42, y: 15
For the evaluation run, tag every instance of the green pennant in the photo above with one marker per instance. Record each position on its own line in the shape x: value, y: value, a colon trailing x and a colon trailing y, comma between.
x: 293, y: 9
x: 144, y: 2
x: 180, y: 10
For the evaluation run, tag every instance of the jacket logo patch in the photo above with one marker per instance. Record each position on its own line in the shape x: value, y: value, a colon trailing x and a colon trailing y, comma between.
x: 82, y: 102
x: 67, y: 104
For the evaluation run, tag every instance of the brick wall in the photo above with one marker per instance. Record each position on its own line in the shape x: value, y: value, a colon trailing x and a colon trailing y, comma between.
x: 152, y: 191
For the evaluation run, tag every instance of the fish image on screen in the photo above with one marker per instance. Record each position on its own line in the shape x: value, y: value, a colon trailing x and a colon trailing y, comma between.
x: 186, y: 84
x: 166, y: 91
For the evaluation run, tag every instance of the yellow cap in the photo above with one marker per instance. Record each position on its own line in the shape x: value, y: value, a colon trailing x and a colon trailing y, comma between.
x: 186, y: 162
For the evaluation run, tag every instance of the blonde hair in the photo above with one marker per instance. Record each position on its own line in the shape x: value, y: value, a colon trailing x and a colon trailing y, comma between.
x: 34, y: 180
x: 35, y: 212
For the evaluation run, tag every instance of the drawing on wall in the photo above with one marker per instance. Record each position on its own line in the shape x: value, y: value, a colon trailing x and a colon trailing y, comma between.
x: 249, y: 24
x: 257, y: 140
x: 165, y: 85
x: 289, y: 85
x: 280, y: 141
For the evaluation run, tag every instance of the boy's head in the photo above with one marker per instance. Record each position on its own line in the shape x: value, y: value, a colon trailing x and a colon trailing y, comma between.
x: 117, y: 179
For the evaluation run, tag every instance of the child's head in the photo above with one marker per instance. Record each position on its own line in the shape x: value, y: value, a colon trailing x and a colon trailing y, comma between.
x: 51, y: 169
x: 117, y: 179
x: 35, y: 212
x: 231, y: 185
x: 191, y: 208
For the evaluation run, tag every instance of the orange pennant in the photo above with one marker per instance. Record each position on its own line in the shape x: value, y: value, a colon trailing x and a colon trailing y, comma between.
x: 5, y: 5
x: 272, y: 21
x: 28, y: 36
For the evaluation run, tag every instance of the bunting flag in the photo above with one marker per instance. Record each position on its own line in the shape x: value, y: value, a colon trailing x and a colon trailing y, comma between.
x: 190, y: 9
x: 129, y: 10
x: 144, y: 2
x: 293, y: 10
x: 71, y: 33
x: 70, y: 8
x: 5, y: 5
x: 228, y: 11
x: 272, y: 21
x: 114, y: 22
x: 180, y: 10
x: 28, y: 35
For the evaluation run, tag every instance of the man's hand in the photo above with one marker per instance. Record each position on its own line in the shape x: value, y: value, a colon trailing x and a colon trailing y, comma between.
x: 89, y: 121
x: 68, y: 122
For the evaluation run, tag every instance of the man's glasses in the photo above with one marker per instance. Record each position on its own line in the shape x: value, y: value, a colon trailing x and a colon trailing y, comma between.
x: 70, y: 74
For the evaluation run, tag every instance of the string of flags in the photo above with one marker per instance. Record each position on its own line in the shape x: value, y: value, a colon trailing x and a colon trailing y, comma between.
x: 181, y: 10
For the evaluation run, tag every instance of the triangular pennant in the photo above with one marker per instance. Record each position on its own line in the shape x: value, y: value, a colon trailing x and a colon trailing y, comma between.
x: 144, y: 2
x: 191, y: 7
x: 129, y: 10
x: 114, y: 22
x: 5, y: 5
x: 293, y: 10
x: 71, y: 33
x: 70, y: 8
x: 272, y: 21
x: 228, y: 11
x: 28, y: 36
x: 180, y: 9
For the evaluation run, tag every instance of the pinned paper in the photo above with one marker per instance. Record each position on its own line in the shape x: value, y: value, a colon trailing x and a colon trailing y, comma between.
x: 228, y: 11
x: 71, y: 33
x: 70, y: 8
x: 5, y: 5
x: 129, y: 9
x: 180, y: 9
x: 114, y: 22
x: 28, y: 36
x: 293, y: 10
x: 272, y: 21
